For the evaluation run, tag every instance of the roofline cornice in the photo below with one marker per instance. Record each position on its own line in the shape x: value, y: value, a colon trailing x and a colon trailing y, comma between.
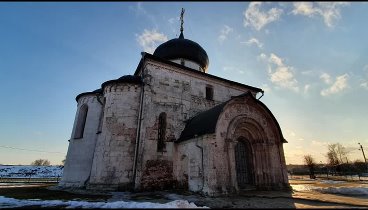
x: 196, y: 72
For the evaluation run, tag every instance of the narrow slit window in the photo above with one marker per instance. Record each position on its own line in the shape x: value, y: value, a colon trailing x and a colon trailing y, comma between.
x: 99, y: 129
x: 81, y: 122
x: 161, y: 132
x: 209, y: 92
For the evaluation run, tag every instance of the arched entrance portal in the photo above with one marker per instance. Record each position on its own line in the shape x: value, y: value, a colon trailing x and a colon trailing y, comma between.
x: 243, y: 163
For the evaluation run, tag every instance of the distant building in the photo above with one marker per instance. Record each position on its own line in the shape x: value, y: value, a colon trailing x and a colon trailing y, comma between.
x: 173, y: 125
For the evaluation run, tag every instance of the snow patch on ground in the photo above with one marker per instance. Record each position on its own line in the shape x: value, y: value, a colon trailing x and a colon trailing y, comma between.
x: 334, y: 187
x: 331, y: 182
x: 344, y: 190
x: 13, y: 203
x: 30, y: 171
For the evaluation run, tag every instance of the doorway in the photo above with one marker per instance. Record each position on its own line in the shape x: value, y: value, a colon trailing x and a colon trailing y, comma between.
x: 243, y: 162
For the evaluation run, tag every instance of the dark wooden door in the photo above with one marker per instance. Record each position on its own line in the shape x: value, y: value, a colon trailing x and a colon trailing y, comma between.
x: 242, y: 155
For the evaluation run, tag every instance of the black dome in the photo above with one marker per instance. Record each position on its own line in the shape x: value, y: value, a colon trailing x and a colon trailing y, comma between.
x: 183, y: 48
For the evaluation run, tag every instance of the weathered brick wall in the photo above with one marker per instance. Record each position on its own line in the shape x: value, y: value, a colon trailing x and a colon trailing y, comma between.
x: 80, y: 151
x: 158, y: 175
x: 114, y: 155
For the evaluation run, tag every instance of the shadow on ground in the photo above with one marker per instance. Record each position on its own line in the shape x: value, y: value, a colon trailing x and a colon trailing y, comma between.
x: 245, y: 199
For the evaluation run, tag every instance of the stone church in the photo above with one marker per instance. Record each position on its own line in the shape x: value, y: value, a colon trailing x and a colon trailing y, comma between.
x: 173, y: 125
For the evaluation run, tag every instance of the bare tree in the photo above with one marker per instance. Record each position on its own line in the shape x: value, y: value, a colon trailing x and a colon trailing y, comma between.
x: 337, y: 158
x: 41, y: 162
x: 310, y: 162
x: 337, y: 154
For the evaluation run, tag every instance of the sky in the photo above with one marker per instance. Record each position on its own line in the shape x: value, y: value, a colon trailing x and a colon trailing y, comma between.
x: 310, y: 58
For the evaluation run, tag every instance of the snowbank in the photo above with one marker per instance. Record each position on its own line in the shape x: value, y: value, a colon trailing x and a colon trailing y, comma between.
x: 332, y: 188
x: 331, y: 182
x: 12, y: 203
x: 30, y: 171
x: 344, y: 190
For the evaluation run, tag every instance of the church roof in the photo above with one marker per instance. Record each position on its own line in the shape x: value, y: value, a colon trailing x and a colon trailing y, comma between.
x: 183, y: 48
x: 98, y: 91
x: 124, y: 79
x: 133, y: 79
x: 205, y: 122
x: 153, y: 57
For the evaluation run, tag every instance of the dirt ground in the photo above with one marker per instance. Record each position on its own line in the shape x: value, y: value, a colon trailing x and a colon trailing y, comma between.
x: 246, y: 199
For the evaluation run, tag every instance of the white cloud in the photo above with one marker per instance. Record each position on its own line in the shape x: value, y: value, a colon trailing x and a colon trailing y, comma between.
x: 291, y: 133
x: 224, y: 33
x: 262, y: 57
x: 141, y: 11
x: 326, y: 78
x: 365, y: 69
x: 172, y: 20
x: 339, y: 85
x: 254, y: 41
x: 319, y: 143
x: 364, y: 84
x: 329, y: 11
x: 258, y: 19
x: 308, y: 72
x: 281, y: 75
x: 276, y: 60
x: 149, y: 40
x: 266, y: 88
x: 304, y: 8
x: 306, y: 88
x: 228, y: 68
x: 232, y: 69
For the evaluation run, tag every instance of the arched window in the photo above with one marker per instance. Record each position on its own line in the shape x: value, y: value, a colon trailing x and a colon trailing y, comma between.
x: 81, y: 122
x: 161, y: 132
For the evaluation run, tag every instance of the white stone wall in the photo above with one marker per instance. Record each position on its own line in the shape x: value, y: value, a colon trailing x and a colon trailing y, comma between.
x: 193, y: 169
x: 245, y: 117
x: 105, y: 159
x: 80, y: 151
x: 114, y: 156
x: 181, y: 94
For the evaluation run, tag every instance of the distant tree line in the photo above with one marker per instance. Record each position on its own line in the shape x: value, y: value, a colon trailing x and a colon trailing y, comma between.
x: 41, y: 162
x: 338, y: 164
x: 45, y: 162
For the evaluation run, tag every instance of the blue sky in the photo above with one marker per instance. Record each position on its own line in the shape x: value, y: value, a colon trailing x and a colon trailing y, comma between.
x: 310, y: 58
